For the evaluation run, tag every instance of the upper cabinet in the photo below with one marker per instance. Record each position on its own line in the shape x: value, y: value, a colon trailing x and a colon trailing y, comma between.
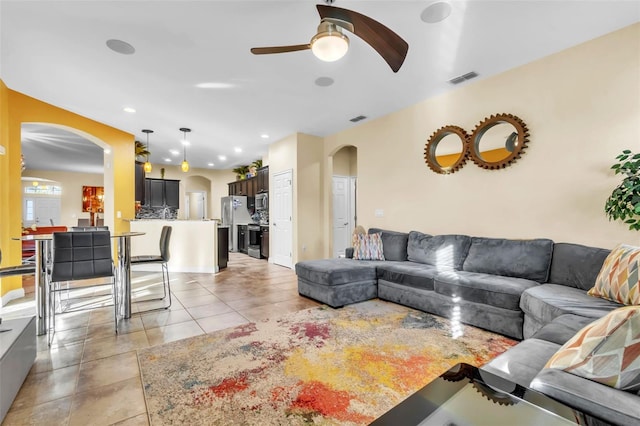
x: 162, y: 193
x: 252, y: 186
x: 139, y: 182
x: 263, y: 180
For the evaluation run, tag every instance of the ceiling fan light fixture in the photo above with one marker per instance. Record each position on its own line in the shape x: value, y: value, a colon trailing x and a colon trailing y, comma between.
x: 329, y: 44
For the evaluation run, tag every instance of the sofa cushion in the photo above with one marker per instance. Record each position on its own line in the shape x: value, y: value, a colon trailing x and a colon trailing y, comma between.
x: 617, y: 407
x: 443, y: 251
x: 619, y: 278
x: 367, y: 247
x: 606, y: 351
x: 410, y: 274
x: 529, y: 259
x: 336, y: 271
x: 522, y: 362
x: 494, y: 290
x: 563, y: 328
x: 394, y: 244
x: 575, y: 265
x: 548, y: 301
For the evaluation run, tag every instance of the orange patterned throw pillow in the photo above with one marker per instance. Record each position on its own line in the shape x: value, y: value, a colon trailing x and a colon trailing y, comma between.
x: 618, y: 279
x: 606, y: 351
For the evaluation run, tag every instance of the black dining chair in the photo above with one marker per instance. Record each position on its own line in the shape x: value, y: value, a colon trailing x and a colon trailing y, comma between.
x: 84, y: 258
x: 88, y: 228
x: 9, y: 271
x: 162, y: 259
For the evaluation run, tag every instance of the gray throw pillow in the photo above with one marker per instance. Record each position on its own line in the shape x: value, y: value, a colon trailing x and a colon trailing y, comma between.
x: 394, y: 244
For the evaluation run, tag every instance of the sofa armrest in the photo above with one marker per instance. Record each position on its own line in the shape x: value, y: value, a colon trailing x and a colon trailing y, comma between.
x: 348, y: 252
x: 592, y: 398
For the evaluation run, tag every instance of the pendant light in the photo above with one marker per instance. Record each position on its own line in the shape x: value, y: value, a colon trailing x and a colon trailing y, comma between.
x: 185, y: 164
x: 147, y: 165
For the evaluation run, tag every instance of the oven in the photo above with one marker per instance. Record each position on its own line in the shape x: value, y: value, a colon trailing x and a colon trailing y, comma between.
x: 255, y: 234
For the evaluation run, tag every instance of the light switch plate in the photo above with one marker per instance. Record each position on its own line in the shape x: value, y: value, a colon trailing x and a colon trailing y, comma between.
x: 379, y: 213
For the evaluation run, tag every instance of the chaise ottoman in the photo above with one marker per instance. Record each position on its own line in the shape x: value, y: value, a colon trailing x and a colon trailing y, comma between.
x: 337, y: 282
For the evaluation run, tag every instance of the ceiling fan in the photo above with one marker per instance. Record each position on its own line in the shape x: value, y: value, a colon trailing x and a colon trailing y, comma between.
x: 330, y: 44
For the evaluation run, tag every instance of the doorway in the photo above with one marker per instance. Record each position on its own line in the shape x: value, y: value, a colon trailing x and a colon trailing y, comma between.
x: 281, y: 215
x: 40, y: 211
x: 343, y: 198
x: 196, y: 205
x: 344, y: 213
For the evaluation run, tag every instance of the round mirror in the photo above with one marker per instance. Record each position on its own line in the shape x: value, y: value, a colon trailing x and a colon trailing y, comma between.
x: 447, y: 149
x: 497, y: 141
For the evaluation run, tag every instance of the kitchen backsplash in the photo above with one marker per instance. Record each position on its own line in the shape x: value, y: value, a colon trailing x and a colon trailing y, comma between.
x: 157, y: 213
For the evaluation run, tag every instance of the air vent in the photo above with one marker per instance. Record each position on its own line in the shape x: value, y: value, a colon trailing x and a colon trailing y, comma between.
x: 358, y: 118
x: 464, y: 77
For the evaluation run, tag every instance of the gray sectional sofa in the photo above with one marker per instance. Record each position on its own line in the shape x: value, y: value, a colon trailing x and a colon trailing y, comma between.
x: 534, y: 290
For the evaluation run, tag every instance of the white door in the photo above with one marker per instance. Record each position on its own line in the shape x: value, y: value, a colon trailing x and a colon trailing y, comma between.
x: 280, y: 216
x: 41, y: 211
x: 195, y: 205
x: 341, y: 222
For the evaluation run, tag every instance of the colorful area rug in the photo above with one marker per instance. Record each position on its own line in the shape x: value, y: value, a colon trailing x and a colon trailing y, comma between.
x: 325, y: 366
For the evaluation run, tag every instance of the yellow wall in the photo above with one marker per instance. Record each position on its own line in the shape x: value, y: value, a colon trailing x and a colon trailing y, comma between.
x: 581, y: 107
x: 18, y: 108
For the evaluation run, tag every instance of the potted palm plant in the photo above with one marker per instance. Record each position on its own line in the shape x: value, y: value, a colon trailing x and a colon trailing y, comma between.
x: 241, y: 172
x: 624, y: 202
x: 141, y: 150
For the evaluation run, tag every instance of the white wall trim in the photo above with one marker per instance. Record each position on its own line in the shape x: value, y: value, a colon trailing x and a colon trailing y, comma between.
x: 12, y: 295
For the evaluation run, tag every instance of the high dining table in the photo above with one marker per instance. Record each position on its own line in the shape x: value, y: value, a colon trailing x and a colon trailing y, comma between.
x: 43, y: 243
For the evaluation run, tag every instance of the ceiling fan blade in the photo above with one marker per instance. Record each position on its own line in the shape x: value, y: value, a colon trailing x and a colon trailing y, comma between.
x: 387, y: 43
x: 279, y: 49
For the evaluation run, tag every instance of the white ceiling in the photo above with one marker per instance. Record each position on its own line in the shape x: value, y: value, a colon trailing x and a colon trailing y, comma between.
x: 56, y: 51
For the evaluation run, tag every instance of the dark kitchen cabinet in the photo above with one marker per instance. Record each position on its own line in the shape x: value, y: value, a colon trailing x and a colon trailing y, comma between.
x: 242, y: 238
x: 252, y: 187
x: 162, y: 193
x: 139, y: 182
x: 262, y: 181
x: 239, y: 187
x: 172, y: 193
x: 264, y: 244
x: 223, y: 247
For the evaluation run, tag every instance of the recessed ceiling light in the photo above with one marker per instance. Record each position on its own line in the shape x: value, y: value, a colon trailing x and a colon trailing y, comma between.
x: 264, y: 136
x: 120, y: 46
x: 210, y: 164
x: 436, y: 12
x: 174, y: 152
x: 238, y: 150
x: 215, y: 85
x: 168, y: 160
x: 324, y: 81
x: 107, y: 151
x: 185, y: 142
x: 129, y: 109
x: 222, y: 157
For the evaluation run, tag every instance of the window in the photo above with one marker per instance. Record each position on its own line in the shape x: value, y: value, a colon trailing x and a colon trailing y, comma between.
x: 43, y: 190
x: 28, y: 210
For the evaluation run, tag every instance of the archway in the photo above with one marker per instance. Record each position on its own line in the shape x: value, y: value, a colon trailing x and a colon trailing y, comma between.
x: 343, y: 172
x: 197, y: 198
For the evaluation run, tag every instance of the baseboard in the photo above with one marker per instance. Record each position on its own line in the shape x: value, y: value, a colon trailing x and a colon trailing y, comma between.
x: 12, y: 295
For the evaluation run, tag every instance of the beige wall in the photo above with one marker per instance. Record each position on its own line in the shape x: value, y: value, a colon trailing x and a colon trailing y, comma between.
x: 345, y: 162
x: 308, y: 241
x: 71, y: 199
x: 582, y: 107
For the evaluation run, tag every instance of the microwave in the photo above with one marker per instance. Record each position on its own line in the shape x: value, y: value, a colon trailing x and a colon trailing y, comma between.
x: 262, y: 201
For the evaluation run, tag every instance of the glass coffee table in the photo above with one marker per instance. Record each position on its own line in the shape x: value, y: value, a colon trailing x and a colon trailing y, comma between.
x: 466, y: 395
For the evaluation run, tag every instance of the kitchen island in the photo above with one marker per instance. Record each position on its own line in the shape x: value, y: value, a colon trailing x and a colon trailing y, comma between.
x: 193, y: 245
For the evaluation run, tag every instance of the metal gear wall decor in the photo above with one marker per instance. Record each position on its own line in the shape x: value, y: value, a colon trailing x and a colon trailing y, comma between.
x: 511, y: 149
x: 431, y: 158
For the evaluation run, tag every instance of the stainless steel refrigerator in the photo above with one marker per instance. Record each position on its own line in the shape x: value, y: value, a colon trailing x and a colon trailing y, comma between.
x: 235, y: 212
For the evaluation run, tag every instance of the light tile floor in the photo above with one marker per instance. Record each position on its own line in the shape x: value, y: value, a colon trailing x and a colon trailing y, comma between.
x: 90, y: 375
